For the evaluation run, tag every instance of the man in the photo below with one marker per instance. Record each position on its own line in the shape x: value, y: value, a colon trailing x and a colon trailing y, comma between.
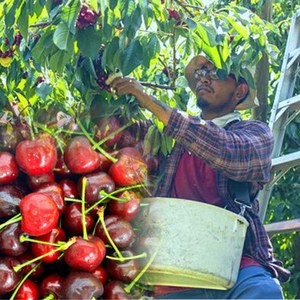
x: 212, y: 149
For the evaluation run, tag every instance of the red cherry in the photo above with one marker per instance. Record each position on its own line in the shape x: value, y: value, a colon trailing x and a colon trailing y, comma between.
x: 130, y: 168
x: 29, y: 290
x: 61, y: 168
x: 107, y: 126
x: 81, y: 286
x: 126, y: 140
x: 152, y: 162
x: 124, y: 271
x: 9, y: 170
x: 38, y: 270
x: 69, y: 187
x: 54, y: 236
x: 115, y: 290
x: 39, y: 214
x: 55, y: 192
x: 84, y: 254
x: 8, y: 277
x: 10, y: 198
x: 105, y: 162
x: 10, y: 240
x: 127, y: 210
x: 34, y: 182
x: 72, y: 220
x: 80, y: 157
x: 51, y: 284
x: 37, y: 157
x: 120, y: 231
x: 101, y: 273
x: 96, y: 182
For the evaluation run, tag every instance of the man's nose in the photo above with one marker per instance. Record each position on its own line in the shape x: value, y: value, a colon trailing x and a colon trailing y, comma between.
x: 205, y: 79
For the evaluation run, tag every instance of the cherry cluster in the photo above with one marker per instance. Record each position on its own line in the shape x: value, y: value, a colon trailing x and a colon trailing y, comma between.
x: 68, y: 225
x: 10, y: 51
x: 173, y: 14
x: 101, y: 80
x: 87, y: 17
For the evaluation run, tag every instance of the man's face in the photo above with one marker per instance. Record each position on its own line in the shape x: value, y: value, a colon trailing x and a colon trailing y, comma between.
x: 213, y: 94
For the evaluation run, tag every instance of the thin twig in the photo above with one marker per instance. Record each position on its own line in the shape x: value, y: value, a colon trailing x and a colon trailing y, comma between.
x: 185, y: 7
x: 157, y: 86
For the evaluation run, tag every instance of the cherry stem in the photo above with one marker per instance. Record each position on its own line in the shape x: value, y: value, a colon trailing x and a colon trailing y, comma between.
x: 72, y: 199
x: 59, y: 141
x: 84, y: 230
x: 60, y: 248
x: 23, y: 239
x: 105, y: 195
x: 142, y: 255
x: 101, y: 217
x: 12, y: 220
x: 144, y: 269
x: 102, y: 141
x: 23, y: 280
x: 95, y: 146
x: 49, y: 297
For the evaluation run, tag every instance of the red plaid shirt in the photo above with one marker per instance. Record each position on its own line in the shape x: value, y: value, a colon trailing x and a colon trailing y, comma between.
x: 240, y: 151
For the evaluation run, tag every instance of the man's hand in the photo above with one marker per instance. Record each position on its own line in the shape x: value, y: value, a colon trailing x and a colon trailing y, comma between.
x: 127, y: 85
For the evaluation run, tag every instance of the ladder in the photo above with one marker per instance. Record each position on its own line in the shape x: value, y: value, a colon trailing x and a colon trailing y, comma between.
x: 285, y: 108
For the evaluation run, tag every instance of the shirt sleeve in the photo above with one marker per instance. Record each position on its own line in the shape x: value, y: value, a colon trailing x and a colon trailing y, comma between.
x: 241, y: 152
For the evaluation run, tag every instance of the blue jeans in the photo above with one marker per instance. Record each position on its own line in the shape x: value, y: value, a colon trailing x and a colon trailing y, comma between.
x: 252, y: 283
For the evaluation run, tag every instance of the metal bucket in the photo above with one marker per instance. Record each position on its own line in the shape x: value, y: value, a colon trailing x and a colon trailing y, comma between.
x: 196, y: 244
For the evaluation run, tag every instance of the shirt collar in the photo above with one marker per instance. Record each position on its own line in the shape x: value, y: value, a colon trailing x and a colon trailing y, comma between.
x: 224, y: 120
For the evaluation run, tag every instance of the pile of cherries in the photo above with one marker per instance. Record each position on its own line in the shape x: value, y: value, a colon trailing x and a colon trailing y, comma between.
x: 68, y: 215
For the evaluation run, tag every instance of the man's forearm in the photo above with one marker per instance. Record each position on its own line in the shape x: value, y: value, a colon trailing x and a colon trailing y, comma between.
x: 161, y: 110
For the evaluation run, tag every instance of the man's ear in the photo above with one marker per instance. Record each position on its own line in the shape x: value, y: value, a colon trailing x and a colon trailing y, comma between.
x: 241, y: 91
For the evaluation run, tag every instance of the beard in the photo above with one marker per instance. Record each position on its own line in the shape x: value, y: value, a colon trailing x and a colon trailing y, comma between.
x: 202, y: 103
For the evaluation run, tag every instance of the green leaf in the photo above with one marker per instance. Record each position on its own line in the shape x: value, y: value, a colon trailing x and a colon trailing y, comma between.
x: 70, y: 13
x: 42, y: 47
x: 3, y: 98
x: 151, y: 48
x: 147, y: 13
x: 22, y: 20
x: 10, y: 8
x: 44, y: 90
x: 191, y: 23
x: 89, y: 41
x: 111, y: 55
x: 59, y: 60
x: 131, y: 57
x: 112, y: 4
x: 89, y: 66
x: 61, y: 37
x: 132, y: 22
x: 207, y: 33
x: 242, y: 30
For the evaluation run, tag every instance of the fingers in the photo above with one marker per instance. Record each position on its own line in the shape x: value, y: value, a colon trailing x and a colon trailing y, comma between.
x: 124, y: 85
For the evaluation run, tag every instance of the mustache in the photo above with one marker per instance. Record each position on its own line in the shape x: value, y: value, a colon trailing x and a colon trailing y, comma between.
x: 203, y: 87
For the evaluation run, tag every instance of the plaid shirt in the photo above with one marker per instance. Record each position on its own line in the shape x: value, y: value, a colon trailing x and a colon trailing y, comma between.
x: 240, y: 151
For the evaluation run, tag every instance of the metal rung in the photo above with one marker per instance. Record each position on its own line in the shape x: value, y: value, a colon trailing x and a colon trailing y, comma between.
x: 282, y: 164
x: 294, y: 55
x: 283, y: 226
x: 295, y: 52
x: 291, y: 102
x: 290, y: 160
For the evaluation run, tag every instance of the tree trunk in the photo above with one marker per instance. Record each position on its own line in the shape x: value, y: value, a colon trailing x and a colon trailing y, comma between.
x: 262, y: 73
